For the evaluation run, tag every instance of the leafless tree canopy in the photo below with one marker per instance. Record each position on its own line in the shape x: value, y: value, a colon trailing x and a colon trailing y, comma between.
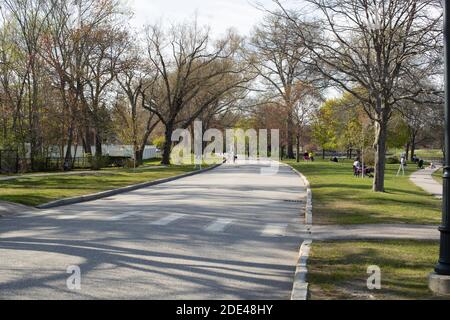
x: 374, y: 50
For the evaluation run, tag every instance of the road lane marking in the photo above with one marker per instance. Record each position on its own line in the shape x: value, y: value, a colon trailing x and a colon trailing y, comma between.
x: 275, y: 230
x: 66, y: 217
x: 125, y: 215
x: 167, y: 220
x: 219, y: 225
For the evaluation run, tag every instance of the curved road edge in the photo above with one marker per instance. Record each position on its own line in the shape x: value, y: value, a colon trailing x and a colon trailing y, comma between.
x: 114, y: 192
x: 300, y: 290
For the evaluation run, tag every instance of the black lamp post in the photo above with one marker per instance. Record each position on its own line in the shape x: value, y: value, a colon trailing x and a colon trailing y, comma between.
x: 443, y: 267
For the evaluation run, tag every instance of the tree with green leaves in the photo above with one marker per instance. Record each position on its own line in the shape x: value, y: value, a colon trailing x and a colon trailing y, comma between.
x: 324, y: 127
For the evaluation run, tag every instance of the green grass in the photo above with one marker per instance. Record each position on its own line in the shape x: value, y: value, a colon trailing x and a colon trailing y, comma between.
x: 421, y: 153
x: 152, y: 162
x: 34, y: 191
x: 340, y: 198
x: 438, y: 175
x: 338, y: 270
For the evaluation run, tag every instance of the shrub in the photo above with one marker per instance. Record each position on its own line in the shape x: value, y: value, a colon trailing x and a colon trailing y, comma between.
x: 393, y: 160
x: 98, y: 162
x: 369, y: 157
x: 159, y: 142
x: 129, y: 164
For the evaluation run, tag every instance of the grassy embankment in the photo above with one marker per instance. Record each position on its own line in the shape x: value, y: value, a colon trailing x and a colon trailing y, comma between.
x: 340, y: 198
x: 35, y: 190
x: 338, y: 270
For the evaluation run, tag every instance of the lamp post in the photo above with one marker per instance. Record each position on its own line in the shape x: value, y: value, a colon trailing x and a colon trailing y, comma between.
x: 443, y: 267
x: 440, y: 281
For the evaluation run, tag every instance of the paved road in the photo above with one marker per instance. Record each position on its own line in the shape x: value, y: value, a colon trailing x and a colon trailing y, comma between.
x: 227, y: 234
x: 375, y: 232
x: 425, y: 180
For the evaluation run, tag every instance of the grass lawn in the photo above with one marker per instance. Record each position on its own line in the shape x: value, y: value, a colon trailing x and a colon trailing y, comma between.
x: 438, y: 175
x: 340, y: 198
x: 422, y: 153
x: 34, y: 191
x: 338, y: 270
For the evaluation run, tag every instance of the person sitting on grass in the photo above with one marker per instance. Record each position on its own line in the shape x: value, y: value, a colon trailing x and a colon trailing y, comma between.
x: 356, y: 168
x: 369, y: 172
x: 306, y: 156
x: 420, y: 164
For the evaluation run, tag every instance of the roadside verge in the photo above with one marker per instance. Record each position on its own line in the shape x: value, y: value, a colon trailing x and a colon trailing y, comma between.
x: 300, y: 290
x: 110, y: 193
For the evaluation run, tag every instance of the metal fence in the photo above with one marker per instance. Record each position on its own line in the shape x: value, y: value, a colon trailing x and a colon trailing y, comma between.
x: 9, y: 161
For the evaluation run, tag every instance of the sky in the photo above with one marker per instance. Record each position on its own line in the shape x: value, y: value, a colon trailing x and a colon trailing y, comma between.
x: 220, y: 15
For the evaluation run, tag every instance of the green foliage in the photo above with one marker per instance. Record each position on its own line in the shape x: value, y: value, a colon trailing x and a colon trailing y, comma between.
x: 159, y: 142
x: 342, y: 123
x: 393, y: 160
x: 398, y: 133
x: 98, y: 162
x: 324, y: 127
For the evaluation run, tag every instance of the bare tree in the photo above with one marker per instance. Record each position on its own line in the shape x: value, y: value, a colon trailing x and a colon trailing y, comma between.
x: 30, y: 17
x: 134, y: 79
x: 372, y: 45
x: 193, y: 73
x: 277, y: 54
x: 307, y: 101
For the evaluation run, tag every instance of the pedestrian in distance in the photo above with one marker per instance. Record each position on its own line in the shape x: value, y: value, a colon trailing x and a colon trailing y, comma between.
x: 403, y: 165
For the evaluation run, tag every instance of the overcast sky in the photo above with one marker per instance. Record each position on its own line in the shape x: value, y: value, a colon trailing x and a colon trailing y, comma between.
x: 219, y: 14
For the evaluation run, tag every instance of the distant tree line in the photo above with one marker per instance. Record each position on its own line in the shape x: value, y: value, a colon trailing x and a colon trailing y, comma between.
x: 75, y: 73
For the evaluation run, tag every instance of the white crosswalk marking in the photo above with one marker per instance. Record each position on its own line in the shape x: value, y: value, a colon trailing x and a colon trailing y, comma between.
x: 274, y: 230
x: 125, y: 215
x: 167, y: 220
x: 219, y: 225
x: 66, y: 217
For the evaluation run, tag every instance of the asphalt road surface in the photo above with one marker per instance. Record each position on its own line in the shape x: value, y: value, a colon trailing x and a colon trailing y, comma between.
x: 230, y: 233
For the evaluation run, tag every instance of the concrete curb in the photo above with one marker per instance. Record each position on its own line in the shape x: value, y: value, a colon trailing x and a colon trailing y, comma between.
x: 301, y: 286
x: 109, y: 193
x: 300, y: 290
x: 309, y: 199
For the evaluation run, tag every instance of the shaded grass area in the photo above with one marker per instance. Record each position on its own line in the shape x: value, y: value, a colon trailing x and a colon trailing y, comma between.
x: 338, y: 270
x: 34, y: 191
x: 340, y: 198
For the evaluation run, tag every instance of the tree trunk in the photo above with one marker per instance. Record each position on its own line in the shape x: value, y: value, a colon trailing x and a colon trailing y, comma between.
x: 98, y: 146
x: 86, y: 140
x: 323, y: 154
x: 380, y: 155
x: 68, y: 157
x: 413, y: 145
x: 168, y: 144
x: 139, y: 156
x: 298, y: 149
x: 290, y: 137
x: 407, y: 151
